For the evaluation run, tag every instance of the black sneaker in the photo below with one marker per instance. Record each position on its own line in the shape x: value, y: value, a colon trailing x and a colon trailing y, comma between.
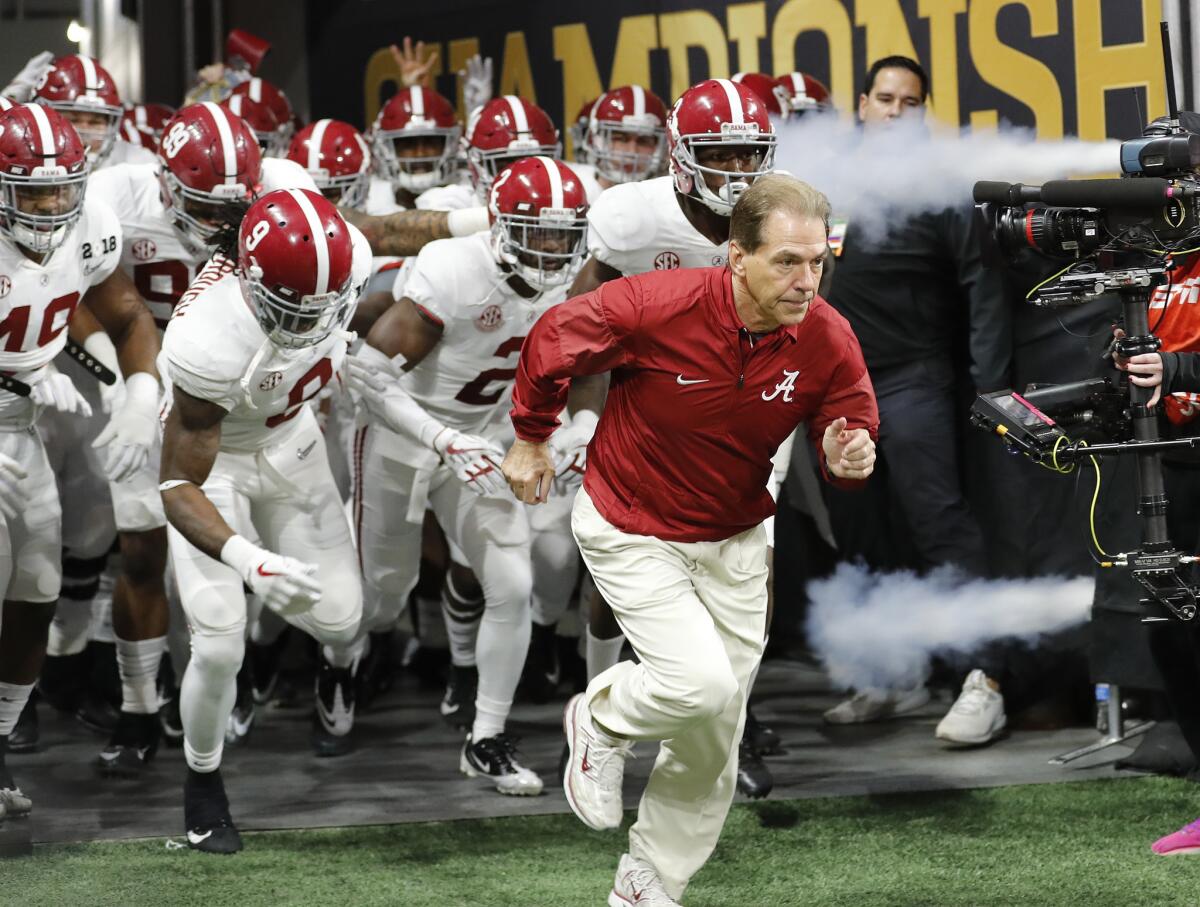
x: 333, y: 717
x: 753, y: 777
x: 762, y: 739
x: 26, y: 734
x: 169, y: 718
x: 132, y: 747
x: 13, y: 803
x: 241, y: 719
x: 378, y: 670
x: 206, y: 818
x: 496, y: 758
x: 264, y: 661
x: 458, y: 705
x: 539, y: 681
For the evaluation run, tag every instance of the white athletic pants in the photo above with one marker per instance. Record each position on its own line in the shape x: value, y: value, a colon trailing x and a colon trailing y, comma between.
x: 695, y: 614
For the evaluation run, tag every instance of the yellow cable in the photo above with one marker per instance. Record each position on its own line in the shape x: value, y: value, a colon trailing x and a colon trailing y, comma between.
x: 1092, y: 510
x: 1029, y: 295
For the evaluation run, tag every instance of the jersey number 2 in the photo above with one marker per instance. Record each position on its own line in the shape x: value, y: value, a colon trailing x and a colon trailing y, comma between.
x: 475, y: 392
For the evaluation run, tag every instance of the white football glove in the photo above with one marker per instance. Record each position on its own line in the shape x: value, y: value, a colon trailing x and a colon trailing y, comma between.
x: 12, y: 495
x: 568, y: 446
x: 131, y: 432
x: 57, y: 391
x: 287, y: 586
x: 26, y: 82
x: 477, y: 83
x: 475, y: 461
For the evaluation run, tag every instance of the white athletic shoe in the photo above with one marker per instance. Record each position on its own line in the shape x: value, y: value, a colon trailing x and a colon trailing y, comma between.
x: 595, y: 771
x: 638, y: 885
x: 977, y: 716
x: 877, y: 705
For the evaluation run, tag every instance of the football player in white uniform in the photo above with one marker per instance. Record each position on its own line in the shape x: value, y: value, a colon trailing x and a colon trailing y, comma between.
x: 720, y: 139
x: 249, y: 345
x: 82, y: 90
x: 56, y: 246
x: 624, y: 140
x: 436, y: 373
x: 207, y: 170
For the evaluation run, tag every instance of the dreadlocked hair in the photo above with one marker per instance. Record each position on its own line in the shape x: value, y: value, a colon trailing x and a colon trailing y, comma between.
x: 224, y: 241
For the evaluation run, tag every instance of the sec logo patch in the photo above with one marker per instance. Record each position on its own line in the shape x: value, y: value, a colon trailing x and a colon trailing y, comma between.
x: 490, y: 318
x: 666, y: 261
x: 144, y: 249
x: 271, y: 381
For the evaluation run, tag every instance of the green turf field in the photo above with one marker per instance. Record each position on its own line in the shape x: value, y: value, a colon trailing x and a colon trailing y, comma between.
x: 1055, y: 845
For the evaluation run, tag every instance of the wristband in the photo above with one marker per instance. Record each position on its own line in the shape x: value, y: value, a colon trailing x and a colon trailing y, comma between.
x: 468, y: 221
x: 240, y: 554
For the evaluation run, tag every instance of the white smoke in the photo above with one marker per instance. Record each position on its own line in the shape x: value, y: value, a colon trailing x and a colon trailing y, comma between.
x: 880, y: 630
x: 877, y: 177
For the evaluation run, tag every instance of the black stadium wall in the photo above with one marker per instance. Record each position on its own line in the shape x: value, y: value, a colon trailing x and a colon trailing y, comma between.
x: 1091, y: 68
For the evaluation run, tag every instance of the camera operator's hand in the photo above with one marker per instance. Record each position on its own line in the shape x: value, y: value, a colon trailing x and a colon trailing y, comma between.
x: 1145, y: 370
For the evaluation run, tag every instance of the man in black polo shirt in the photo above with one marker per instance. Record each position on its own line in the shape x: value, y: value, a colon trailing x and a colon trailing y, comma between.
x: 912, y: 298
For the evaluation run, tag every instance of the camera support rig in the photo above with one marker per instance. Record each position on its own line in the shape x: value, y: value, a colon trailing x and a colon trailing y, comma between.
x: 1156, y: 564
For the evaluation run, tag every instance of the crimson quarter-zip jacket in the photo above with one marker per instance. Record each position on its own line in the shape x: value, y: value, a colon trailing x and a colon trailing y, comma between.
x: 697, y: 405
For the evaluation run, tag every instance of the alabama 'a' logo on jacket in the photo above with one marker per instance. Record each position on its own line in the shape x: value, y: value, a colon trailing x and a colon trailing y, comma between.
x: 786, y: 387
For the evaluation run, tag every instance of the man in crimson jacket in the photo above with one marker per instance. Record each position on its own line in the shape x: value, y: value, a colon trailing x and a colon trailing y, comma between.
x: 712, y: 369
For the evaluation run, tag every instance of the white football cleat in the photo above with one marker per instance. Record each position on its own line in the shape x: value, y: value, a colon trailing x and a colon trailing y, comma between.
x: 977, y: 716
x: 595, y: 770
x: 638, y: 885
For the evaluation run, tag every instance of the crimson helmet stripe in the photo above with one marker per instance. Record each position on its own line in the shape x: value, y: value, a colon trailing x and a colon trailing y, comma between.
x: 225, y: 132
x: 520, y: 120
x: 314, y: 143
x: 235, y: 104
x: 139, y: 117
x: 320, y: 241
x: 556, y: 184
x: 255, y: 90
x: 416, y: 97
x: 45, y: 134
x: 736, y: 112
x: 90, y: 80
x: 366, y: 152
x: 639, y: 100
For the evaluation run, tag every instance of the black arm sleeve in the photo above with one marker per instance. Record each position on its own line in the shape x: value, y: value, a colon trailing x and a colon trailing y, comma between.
x: 1181, y: 372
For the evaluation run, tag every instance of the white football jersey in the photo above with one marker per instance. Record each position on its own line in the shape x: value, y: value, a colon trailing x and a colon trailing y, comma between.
x: 155, y: 255
x: 37, y: 300
x: 214, y: 349
x: 468, y: 377
x: 639, y: 227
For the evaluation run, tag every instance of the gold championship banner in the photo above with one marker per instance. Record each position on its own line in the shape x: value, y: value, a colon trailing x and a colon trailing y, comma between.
x: 1091, y: 68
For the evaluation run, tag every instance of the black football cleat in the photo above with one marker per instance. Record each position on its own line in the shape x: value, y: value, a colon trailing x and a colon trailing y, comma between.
x: 753, y: 777
x: 26, y: 735
x: 539, y: 680
x: 208, y: 825
x: 458, y: 705
x: 333, y: 717
x: 762, y: 739
x: 377, y: 673
x: 495, y: 758
x: 241, y: 719
x: 132, y: 747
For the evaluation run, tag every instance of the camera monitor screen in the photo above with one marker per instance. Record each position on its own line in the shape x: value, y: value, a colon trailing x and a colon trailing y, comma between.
x: 1022, y: 411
